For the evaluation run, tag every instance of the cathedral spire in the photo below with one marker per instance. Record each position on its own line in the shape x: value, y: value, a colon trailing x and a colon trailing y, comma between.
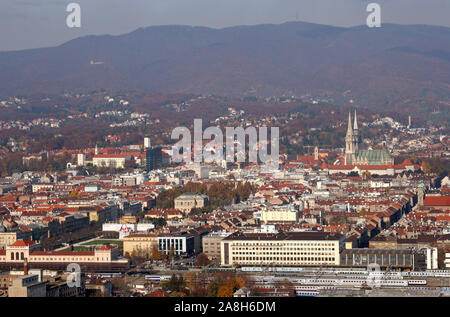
x: 349, y: 129
x: 355, y: 125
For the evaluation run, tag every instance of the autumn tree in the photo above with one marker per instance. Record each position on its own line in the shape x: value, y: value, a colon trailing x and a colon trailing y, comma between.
x: 156, y: 254
x: 229, y: 287
x: 426, y: 167
x: 362, y: 212
x: 214, y: 286
x: 202, y: 260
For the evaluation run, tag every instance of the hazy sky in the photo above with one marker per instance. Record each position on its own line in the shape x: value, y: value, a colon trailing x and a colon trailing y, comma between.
x: 41, y: 23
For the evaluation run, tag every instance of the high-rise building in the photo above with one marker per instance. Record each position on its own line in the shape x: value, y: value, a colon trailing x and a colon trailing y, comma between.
x: 153, y: 157
x: 147, y: 142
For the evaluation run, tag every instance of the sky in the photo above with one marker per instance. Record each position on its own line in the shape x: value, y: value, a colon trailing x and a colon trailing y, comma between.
x: 28, y: 24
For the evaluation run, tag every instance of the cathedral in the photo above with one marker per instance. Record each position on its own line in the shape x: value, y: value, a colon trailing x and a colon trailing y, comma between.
x: 355, y: 156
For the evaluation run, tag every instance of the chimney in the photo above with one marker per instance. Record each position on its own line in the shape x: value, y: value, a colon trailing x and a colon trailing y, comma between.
x: 25, y: 267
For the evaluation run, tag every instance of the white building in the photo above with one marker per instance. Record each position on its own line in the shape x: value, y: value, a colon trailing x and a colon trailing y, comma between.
x: 81, y: 158
x: 277, y: 214
x: 126, y: 229
x: 432, y: 258
x: 110, y: 160
x: 282, y: 249
x: 447, y: 260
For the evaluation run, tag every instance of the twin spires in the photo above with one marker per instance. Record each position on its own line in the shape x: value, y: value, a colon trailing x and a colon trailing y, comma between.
x: 351, y: 140
x: 351, y: 131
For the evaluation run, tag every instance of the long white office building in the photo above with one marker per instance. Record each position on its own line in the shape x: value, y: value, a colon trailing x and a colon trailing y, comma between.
x: 282, y: 249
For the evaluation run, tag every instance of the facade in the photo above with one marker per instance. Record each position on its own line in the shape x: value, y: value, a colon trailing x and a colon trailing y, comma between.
x: 383, y: 170
x: 26, y: 250
x: 355, y: 156
x: 277, y: 214
x: 153, y: 158
x: 60, y: 288
x: 181, y: 244
x: 8, y: 238
x: 211, y: 244
x: 27, y: 286
x: 188, y: 201
x: 386, y: 258
x: 110, y: 160
x: 281, y: 249
x: 104, y: 213
x: 125, y: 229
x: 140, y: 243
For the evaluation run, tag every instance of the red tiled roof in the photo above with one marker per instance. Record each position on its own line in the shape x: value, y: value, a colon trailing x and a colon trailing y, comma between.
x: 106, y: 247
x: 22, y: 243
x: 437, y: 201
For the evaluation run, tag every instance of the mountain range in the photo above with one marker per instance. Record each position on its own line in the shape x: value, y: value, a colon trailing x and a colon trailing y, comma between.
x: 371, y: 66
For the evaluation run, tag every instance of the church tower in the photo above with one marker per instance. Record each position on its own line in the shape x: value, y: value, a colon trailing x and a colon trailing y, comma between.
x: 349, y: 143
x: 316, y: 153
x: 356, y: 135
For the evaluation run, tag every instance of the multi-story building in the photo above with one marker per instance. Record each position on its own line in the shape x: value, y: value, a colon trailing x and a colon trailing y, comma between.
x: 139, y: 243
x: 282, y: 249
x: 9, y: 237
x: 447, y: 260
x: 188, y: 201
x: 153, y: 158
x: 110, y: 160
x: 277, y: 214
x: 100, y: 213
x: 388, y: 258
x: 126, y: 229
x: 27, y: 286
x: 181, y: 243
x: 211, y: 244
x: 105, y: 257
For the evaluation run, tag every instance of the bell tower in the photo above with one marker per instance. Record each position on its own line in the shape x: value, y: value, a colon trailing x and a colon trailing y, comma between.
x: 349, y: 143
x: 356, y: 135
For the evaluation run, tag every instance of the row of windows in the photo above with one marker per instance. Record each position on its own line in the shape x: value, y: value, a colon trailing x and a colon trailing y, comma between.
x: 280, y: 249
x: 185, y: 203
x: 284, y: 253
x: 322, y: 259
x: 18, y: 256
x: 284, y: 243
x: 134, y: 240
x: 62, y: 259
